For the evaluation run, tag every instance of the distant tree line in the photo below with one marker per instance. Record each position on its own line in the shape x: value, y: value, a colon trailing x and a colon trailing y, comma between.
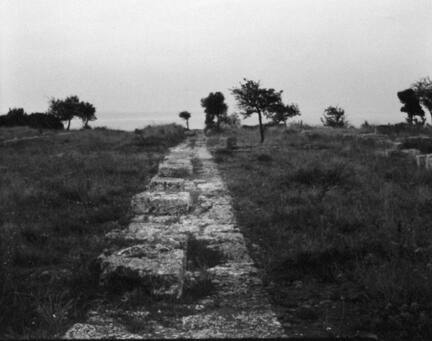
x: 59, y: 111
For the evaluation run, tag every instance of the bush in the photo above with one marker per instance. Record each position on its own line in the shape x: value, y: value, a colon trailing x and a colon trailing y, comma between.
x: 162, y: 135
x: 44, y: 121
x: 18, y: 117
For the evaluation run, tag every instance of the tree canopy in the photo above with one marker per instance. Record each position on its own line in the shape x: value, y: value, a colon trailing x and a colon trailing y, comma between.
x: 215, y: 108
x: 334, y: 117
x: 72, y: 107
x: 423, y: 91
x: 86, y: 112
x: 411, y: 106
x: 283, y: 112
x: 186, y: 116
x: 253, y: 99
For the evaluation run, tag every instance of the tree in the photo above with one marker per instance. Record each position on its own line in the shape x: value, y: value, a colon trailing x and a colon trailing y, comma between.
x: 86, y: 112
x: 334, y: 117
x: 71, y: 107
x: 423, y: 91
x: 186, y: 116
x: 215, y: 108
x: 253, y: 99
x: 66, y: 109
x: 411, y: 106
x: 283, y: 112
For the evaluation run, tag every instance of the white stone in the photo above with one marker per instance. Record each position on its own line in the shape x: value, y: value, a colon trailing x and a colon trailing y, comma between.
x: 161, y: 203
x: 421, y: 161
x: 158, y: 183
x: 428, y: 162
x: 179, y: 169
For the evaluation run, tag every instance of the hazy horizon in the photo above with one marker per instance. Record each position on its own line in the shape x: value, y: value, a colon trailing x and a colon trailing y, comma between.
x: 164, y: 56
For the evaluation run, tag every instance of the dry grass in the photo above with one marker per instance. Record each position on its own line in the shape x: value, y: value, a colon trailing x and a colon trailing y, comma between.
x: 344, y: 235
x: 58, y: 197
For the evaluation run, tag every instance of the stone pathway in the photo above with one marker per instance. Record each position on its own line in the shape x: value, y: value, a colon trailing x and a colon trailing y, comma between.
x: 187, y: 253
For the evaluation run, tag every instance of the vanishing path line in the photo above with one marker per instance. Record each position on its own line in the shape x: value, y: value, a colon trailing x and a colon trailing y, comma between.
x: 189, y: 254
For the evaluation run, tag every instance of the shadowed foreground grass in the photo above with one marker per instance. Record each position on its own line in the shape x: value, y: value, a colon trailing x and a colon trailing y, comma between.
x: 344, y: 236
x: 58, y: 197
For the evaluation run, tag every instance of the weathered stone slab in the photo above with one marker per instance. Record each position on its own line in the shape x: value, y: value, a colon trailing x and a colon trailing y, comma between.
x: 227, y: 142
x: 161, y: 203
x: 411, y: 152
x: 230, y: 244
x: 212, y: 188
x: 219, y: 228
x: 421, y: 161
x: 91, y: 331
x: 158, y: 183
x: 154, y: 232
x: 428, y: 162
x: 226, y: 324
x: 221, y: 214
x: 179, y: 169
x: 159, y: 268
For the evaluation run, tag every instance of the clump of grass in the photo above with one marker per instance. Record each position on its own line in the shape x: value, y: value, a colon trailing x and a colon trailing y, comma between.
x: 58, y: 198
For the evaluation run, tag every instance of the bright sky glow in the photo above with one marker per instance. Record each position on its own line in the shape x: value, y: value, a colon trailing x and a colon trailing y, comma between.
x: 164, y: 55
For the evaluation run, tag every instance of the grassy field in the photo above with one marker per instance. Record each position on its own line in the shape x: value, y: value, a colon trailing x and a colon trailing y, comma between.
x: 58, y: 197
x: 20, y: 132
x: 343, y: 235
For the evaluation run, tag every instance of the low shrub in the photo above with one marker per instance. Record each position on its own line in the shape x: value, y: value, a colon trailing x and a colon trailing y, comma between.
x: 154, y: 135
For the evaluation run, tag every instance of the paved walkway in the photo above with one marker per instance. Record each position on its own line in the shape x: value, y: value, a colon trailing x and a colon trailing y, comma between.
x: 186, y: 250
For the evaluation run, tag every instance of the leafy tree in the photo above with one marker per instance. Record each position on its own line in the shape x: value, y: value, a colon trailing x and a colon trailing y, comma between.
x: 283, y: 112
x: 186, y: 116
x: 215, y: 108
x: 334, y: 117
x: 423, y: 91
x: 86, y: 112
x: 72, y: 107
x: 253, y: 99
x: 65, y: 109
x: 411, y: 106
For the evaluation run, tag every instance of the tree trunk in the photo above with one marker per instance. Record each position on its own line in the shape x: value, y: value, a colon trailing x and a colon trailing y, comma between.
x: 68, y: 124
x: 261, y: 127
x: 187, y: 124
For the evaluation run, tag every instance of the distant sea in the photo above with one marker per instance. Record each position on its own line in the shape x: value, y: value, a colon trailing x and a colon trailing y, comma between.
x: 132, y: 121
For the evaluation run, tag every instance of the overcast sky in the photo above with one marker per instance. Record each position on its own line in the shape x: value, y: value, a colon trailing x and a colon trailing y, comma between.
x: 163, y: 56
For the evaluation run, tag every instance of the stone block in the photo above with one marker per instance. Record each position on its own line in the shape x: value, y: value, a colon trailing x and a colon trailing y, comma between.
x: 83, y: 331
x: 158, y: 183
x: 153, y: 233
x: 161, y: 203
x: 221, y: 214
x: 179, y: 169
x: 428, y: 162
x: 421, y: 161
x: 227, y: 142
x: 411, y: 152
x: 158, y: 267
